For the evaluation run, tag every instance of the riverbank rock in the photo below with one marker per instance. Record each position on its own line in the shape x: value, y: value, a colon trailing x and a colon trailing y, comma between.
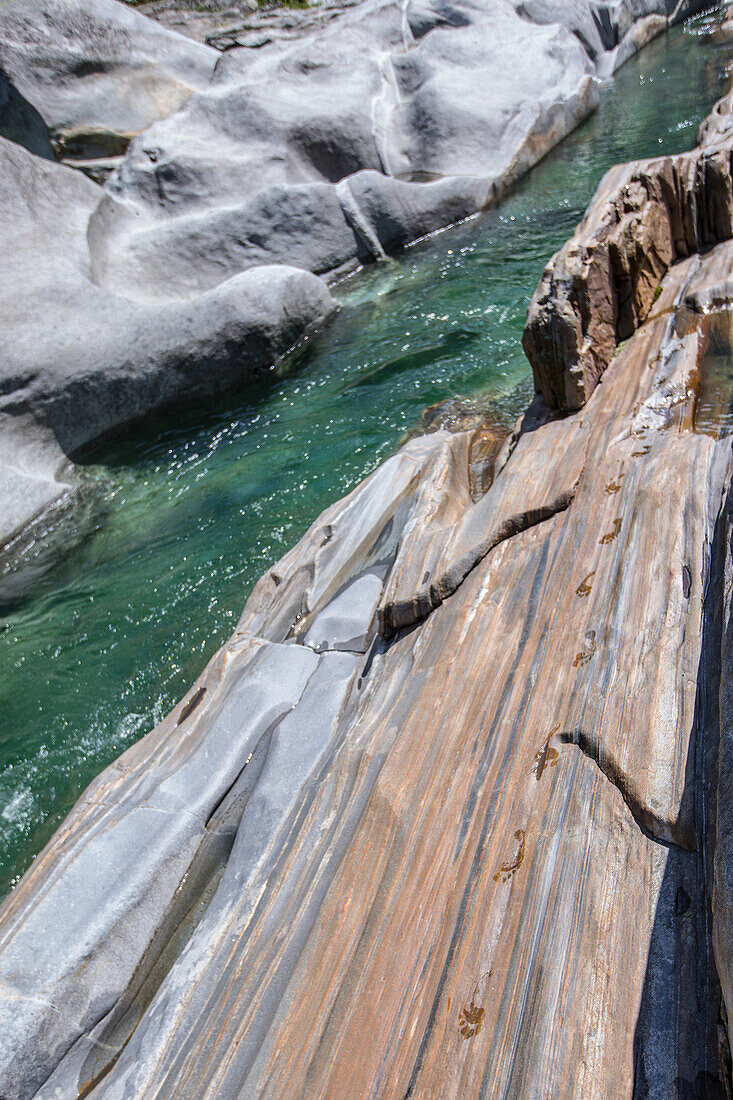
x: 442, y: 817
x: 601, y: 285
x: 335, y: 137
x: 82, y: 361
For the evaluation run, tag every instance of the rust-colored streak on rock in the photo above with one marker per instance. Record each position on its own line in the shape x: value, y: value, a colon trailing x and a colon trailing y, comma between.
x: 188, y: 709
x: 585, y: 655
x: 547, y: 755
x: 613, y: 534
x: 584, y: 588
x: 471, y: 1020
x: 509, y: 868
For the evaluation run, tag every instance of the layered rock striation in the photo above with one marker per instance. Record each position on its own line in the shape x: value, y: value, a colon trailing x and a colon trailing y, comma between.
x: 443, y: 817
x: 599, y: 288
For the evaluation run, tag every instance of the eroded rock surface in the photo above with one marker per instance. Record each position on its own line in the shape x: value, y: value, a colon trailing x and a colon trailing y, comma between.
x: 98, y: 72
x: 601, y: 285
x: 355, y: 136
x: 339, y: 136
x: 471, y: 858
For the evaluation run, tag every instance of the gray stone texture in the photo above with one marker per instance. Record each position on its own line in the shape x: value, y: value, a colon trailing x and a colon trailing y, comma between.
x: 341, y: 135
x: 343, y: 855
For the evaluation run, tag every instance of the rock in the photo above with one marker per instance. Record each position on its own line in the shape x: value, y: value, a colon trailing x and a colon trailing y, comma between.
x: 79, y: 79
x: 474, y: 857
x: 126, y: 875
x: 353, y: 135
x: 490, y: 435
x: 262, y: 722
x: 80, y: 361
x: 437, y: 557
x: 96, y: 71
x: 219, y: 22
x: 345, y: 624
x: 358, y: 535
x: 601, y: 285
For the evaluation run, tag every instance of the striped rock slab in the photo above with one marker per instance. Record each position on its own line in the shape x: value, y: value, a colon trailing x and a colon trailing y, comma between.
x: 440, y: 819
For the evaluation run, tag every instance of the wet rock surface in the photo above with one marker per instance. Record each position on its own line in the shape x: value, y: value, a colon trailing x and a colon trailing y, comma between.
x: 444, y: 817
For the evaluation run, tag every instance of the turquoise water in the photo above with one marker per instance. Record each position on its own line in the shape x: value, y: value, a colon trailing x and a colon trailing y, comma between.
x: 117, y: 610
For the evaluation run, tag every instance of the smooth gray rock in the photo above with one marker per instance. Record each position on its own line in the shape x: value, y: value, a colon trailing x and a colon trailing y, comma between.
x: 80, y: 361
x: 347, y: 621
x: 128, y: 845
x: 97, y: 70
x: 357, y: 135
x: 253, y: 165
x: 300, y: 752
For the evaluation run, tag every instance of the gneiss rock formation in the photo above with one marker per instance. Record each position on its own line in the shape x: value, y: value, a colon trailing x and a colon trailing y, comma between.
x: 474, y: 857
x: 601, y: 286
x: 247, y: 174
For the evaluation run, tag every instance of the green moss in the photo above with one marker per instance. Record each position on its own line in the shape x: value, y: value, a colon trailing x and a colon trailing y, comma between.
x: 284, y: 4
x: 657, y: 292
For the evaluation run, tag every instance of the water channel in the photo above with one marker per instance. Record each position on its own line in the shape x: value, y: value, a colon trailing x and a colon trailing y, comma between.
x: 132, y: 594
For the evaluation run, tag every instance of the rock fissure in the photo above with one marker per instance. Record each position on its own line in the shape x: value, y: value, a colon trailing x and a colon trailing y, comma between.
x: 662, y: 832
x: 396, y: 616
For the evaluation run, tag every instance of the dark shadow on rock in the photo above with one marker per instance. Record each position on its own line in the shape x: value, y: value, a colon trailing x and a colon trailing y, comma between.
x: 20, y: 121
x: 677, y: 1042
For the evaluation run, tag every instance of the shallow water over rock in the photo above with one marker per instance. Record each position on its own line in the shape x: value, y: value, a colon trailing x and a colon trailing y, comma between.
x: 714, y: 404
x: 108, y: 623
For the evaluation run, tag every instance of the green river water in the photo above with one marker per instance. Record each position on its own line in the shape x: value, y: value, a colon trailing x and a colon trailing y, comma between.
x: 134, y: 592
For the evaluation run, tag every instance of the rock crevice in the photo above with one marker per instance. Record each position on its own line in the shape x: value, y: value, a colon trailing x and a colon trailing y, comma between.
x: 601, y: 286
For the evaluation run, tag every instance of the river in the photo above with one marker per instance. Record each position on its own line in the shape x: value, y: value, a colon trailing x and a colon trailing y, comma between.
x: 109, y: 618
